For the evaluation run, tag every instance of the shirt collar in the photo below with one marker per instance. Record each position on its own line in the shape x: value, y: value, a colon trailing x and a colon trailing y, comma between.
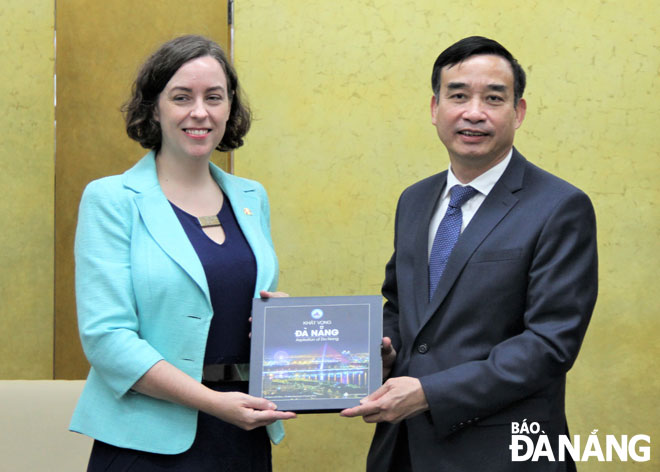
x: 483, y: 183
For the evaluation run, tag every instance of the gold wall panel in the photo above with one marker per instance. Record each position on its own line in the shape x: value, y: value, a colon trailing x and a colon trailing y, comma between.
x: 100, y: 46
x: 26, y: 178
x: 342, y: 95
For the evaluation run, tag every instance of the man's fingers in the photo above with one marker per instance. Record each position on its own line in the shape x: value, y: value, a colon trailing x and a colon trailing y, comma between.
x: 272, y: 415
x: 377, y: 394
x: 368, y: 408
x: 267, y: 294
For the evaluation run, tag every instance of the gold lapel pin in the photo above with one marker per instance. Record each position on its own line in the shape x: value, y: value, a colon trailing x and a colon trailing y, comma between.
x: 247, y: 211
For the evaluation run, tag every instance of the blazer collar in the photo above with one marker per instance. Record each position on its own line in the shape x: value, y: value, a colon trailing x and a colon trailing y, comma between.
x: 163, y: 224
x: 497, y: 204
x: 142, y: 177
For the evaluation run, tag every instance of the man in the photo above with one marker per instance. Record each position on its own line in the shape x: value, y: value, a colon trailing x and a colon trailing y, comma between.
x: 480, y: 328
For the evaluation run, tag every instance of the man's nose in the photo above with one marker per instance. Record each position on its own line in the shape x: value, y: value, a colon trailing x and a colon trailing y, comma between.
x: 474, y: 111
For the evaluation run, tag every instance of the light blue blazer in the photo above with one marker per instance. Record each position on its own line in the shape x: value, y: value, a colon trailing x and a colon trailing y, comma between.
x: 142, y: 296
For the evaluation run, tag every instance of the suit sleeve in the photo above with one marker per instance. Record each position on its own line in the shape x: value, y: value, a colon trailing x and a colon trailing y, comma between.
x: 390, y: 293
x: 561, y: 293
x: 107, y: 316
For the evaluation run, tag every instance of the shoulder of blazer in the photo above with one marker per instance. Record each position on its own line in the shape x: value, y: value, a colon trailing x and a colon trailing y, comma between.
x: 119, y: 191
x: 107, y: 193
x: 523, y: 174
x: 143, y: 177
x: 429, y: 182
x: 232, y: 183
x: 423, y: 188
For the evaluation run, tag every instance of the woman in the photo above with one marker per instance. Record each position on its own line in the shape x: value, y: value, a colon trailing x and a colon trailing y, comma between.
x: 168, y: 258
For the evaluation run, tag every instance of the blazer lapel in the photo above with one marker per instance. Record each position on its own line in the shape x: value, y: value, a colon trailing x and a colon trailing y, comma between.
x: 247, y: 207
x: 497, y: 204
x: 161, y: 221
x: 421, y: 270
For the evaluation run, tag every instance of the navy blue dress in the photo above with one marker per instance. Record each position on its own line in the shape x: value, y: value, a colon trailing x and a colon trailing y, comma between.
x: 231, y: 272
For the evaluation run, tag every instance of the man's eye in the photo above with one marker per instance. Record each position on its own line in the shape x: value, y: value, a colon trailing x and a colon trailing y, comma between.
x: 495, y: 98
x: 457, y: 96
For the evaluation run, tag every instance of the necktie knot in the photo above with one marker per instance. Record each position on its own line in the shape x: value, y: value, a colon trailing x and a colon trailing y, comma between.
x: 460, y: 195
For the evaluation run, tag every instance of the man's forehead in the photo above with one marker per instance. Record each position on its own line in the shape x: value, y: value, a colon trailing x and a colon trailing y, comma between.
x: 492, y: 69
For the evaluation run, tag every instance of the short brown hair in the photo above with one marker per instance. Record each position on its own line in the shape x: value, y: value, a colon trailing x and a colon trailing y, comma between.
x: 156, y: 72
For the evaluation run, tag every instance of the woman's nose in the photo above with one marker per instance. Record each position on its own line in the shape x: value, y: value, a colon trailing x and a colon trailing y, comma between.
x: 199, y: 110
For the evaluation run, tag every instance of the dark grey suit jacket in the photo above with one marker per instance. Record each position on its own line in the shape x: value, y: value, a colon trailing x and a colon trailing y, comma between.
x: 504, y: 326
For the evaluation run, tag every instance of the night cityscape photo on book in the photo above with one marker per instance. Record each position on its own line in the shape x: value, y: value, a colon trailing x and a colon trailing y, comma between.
x: 312, y: 354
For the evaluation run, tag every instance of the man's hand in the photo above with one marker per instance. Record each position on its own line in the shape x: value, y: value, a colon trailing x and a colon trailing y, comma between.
x: 267, y: 294
x: 399, y: 398
x: 388, y: 354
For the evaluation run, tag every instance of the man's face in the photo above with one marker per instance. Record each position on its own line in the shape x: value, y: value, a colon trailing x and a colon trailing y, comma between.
x: 474, y: 112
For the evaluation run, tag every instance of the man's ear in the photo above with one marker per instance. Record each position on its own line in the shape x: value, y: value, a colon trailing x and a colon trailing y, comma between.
x: 434, y: 109
x: 521, y: 110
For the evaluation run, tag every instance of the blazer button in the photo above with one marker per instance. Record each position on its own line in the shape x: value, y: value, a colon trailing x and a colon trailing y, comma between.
x: 423, y: 348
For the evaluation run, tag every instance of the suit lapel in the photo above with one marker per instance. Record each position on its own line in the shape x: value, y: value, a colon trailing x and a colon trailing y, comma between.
x: 421, y: 271
x: 497, y: 204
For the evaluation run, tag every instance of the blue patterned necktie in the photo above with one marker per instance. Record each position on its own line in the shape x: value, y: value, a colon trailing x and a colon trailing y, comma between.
x: 448, y: 231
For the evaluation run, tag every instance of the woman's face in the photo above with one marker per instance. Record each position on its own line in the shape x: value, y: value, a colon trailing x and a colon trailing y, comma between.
x: 193, y: 109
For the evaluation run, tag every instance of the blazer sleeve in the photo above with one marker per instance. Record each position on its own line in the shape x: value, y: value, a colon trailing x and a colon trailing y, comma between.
x: 561, y: 294
x: 390, y: 292
x: 106, y: 306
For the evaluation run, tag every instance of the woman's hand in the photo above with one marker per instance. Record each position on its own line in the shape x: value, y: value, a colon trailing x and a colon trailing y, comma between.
x: 245, y: 411
x: 166, y: 382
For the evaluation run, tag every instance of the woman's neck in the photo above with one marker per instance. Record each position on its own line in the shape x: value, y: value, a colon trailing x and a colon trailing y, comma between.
x: 186, y: 172
x: 188, y: 184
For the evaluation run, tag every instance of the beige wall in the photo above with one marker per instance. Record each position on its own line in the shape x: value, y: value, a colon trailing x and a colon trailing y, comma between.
x: 27, y: 167
x: 341, y: 92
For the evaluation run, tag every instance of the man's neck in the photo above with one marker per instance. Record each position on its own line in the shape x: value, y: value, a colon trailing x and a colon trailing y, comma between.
x: 466, y: 170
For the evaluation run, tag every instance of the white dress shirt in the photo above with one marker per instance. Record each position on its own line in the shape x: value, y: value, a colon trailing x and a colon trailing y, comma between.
x: 483, y: 184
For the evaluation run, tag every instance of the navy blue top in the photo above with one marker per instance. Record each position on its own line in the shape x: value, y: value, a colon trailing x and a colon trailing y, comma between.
x: 231, y: 273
